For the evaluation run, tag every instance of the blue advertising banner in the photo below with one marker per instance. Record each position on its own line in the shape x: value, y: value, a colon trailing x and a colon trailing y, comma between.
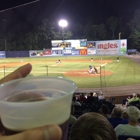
x: 67, y: 51
x: 2, y: 54
x: 75, y: 52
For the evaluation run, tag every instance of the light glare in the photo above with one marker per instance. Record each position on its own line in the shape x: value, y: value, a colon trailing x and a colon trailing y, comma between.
x: 63, y: 23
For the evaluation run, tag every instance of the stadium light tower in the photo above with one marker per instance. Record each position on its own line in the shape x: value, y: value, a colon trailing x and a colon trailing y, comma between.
x: 63, y: 23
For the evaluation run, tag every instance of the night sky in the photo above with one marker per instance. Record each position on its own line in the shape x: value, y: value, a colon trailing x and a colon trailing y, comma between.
x: 72, y: 10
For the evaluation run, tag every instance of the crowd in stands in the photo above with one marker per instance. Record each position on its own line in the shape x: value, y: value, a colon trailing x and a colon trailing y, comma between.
x: 94, y: 118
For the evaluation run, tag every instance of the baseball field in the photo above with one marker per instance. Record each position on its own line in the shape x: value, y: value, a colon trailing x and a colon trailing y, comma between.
x: 110, y: 72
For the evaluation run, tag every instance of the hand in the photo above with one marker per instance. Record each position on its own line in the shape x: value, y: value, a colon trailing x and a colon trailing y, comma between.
x: 48, y: 132
x: 19, y: 73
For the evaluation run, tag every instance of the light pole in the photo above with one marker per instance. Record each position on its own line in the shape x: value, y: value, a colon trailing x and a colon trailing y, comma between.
x: 120, y: 35
x: 63, y: 23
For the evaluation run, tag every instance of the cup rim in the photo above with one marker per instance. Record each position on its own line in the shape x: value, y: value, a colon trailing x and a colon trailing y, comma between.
x: 37, y: 102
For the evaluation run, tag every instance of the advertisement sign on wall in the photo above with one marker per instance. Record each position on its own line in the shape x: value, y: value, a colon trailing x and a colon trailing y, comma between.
x: 110, y: 47
x: 36, y: 53
x: 77, y: 44
x: 84, y: 47
x: 40, y: 53
x: 57, y: 51
x: 91, y: 51
x: 91, y: 44
x: 83, y: 52
x: 91, y: 47
x: 47, y: 52
x: 75, y: 52
x: 123, y: 46
x: 67, y: 51
x: 2, y: 54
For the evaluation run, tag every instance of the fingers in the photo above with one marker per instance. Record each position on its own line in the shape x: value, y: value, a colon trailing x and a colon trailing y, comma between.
x: 21, y: 72
x: 50, y: 132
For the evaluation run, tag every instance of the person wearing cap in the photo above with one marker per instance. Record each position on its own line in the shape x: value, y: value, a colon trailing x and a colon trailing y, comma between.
x: 134, y: 99
x: 132, y: 127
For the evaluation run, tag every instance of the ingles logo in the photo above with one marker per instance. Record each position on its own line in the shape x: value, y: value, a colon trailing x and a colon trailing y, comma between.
x: 83, y: 52
x: 108, y: 46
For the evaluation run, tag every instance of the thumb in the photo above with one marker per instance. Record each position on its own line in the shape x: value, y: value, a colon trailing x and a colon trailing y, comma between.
x: 21, y: 72
x: 50, y: 132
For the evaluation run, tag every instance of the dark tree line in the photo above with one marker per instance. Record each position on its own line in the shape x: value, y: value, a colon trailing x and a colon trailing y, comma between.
x: 23, y: 36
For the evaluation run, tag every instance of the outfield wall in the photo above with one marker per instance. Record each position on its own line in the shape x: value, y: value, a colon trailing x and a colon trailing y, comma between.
x: 83, y: 47
x: 74, y: 48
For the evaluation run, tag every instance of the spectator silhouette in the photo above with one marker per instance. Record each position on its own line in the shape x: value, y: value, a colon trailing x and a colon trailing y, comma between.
x: 132, y: 127
x: 92, y: 97
x: 116, y: 118
x: 75, y: 102
x: 104, y: 110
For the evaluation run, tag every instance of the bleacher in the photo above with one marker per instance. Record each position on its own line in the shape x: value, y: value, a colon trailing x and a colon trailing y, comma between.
x: 95, y: 105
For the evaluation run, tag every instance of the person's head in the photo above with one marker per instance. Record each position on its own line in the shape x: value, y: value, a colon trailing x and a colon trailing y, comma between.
x: 91, y: 93
x: 125, y: 115
x: 94, y: 94
x: 134, y: 95
x: 101, y: 93
x: 104, y: 109
x: 128, y: 98
x: 116, y: 112
x: 82, y: 95
x: 133, y: 113
x: 74, y: 98
x: 92, y: 126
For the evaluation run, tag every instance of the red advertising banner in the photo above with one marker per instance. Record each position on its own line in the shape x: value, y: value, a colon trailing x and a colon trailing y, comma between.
x: 47, y: 52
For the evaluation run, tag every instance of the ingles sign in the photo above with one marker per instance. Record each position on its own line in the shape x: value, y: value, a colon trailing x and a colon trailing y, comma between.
x: 107, y: 47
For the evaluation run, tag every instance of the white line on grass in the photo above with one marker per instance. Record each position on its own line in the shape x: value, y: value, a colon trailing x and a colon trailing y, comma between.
x: 103, y: 64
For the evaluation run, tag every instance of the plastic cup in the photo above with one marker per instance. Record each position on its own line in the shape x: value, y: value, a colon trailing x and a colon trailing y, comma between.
x: 35, y: 101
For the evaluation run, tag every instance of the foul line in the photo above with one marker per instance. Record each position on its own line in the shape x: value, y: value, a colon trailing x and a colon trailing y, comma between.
x: 104, y: 64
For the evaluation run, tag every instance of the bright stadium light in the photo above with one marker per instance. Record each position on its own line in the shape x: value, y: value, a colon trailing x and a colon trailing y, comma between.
x: 63, y: 23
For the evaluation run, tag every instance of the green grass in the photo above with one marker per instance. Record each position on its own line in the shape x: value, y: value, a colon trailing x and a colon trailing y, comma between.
x: 126, y: 72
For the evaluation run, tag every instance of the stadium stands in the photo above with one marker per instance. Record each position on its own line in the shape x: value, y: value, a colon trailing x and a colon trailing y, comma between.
x: 94, y: 105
